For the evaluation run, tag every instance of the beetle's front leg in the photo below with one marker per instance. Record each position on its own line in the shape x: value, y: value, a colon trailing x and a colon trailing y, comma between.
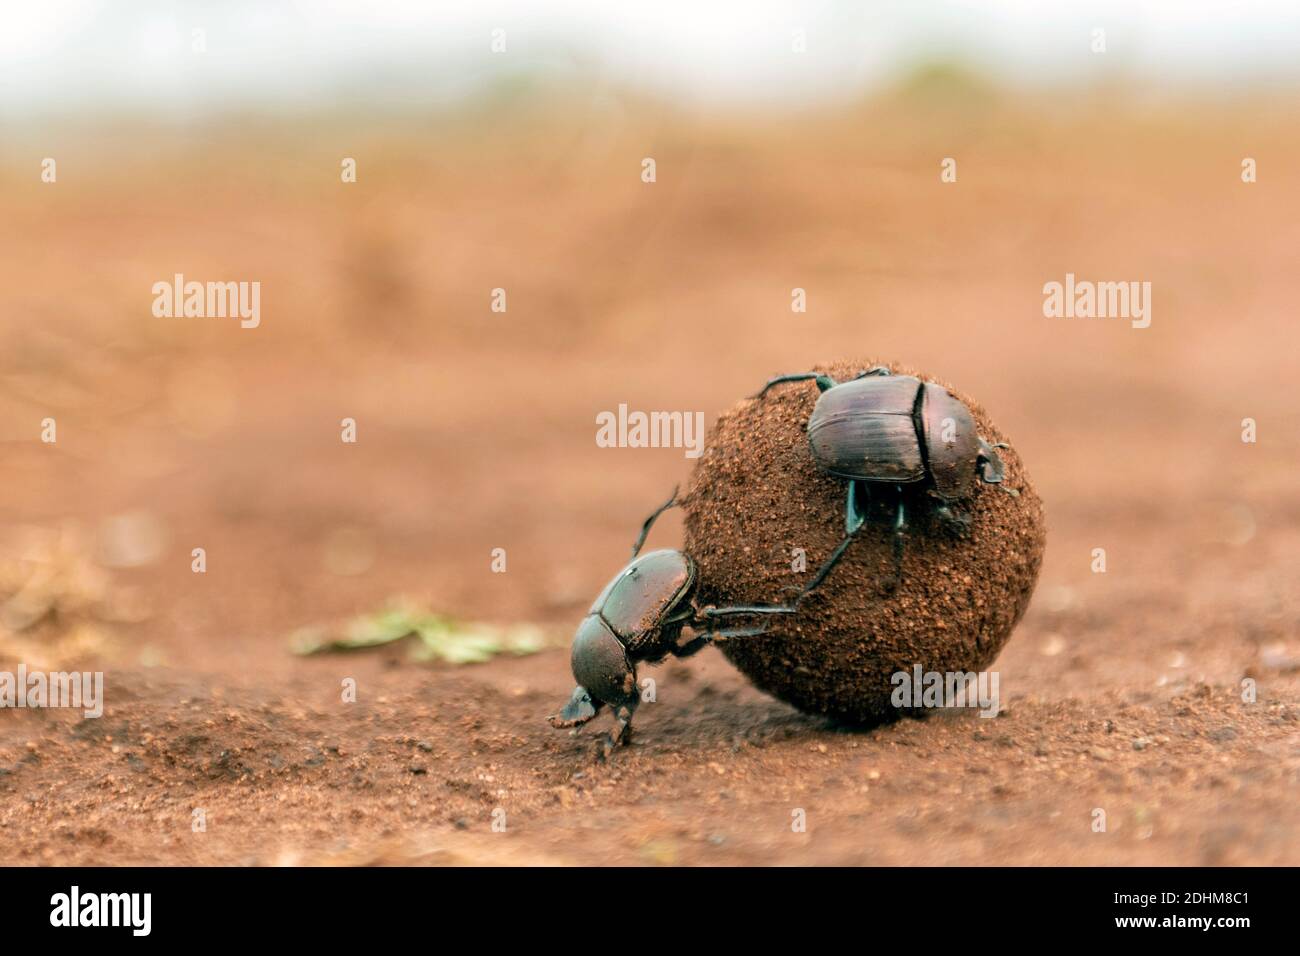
x: 622, y: 732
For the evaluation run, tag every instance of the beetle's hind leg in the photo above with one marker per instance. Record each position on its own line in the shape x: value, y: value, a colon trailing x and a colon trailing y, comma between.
x: 709, y: 619
x: 706, y: 620
x: 708, y: 625
x: 649, y: 522
x: 727, y: 633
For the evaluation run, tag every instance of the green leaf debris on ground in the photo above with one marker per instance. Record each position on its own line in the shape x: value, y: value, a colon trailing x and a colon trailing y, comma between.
x: 439, y: 637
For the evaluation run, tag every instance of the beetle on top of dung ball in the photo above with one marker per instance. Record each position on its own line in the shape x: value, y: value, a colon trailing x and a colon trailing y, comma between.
x: 902, y: 433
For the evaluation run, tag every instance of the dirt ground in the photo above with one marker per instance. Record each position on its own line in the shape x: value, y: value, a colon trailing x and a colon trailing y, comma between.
x: 1122, y: 691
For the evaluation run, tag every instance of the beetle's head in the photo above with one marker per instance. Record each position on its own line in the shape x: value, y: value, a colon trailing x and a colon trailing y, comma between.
x: 989, y: 462
x: 603, y: 671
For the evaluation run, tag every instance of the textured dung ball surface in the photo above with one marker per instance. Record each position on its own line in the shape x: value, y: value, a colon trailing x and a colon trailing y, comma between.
x: 757, y: 495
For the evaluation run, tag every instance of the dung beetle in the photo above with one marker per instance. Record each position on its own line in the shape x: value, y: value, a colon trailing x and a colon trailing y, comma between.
x: 896, y: 430
x: 639, y: 617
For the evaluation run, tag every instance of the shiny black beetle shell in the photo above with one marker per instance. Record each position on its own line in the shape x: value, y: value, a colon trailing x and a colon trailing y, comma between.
x: 896, y: 429
x: 638, y: 616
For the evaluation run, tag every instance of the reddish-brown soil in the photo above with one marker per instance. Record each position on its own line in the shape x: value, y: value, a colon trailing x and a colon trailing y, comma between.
x: 1122, y: 690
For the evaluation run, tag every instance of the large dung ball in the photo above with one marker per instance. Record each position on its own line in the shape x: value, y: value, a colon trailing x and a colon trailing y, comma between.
x: 757, y: 496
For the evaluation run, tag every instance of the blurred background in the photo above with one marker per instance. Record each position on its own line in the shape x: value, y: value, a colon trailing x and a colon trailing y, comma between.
x: 501, y: 146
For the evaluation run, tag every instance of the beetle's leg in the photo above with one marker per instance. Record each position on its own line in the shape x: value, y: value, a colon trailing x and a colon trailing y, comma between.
x: 622, y: 732
x: 855, y: 516
x: 729, y: 632
x: 686, y: 618
x: 697, y: 644
x: 649, y: 522
x: 580, y: 709
x: 693, y: 646
x: 707, y: 614
x: 827, y: 566
x: 707, y: 622
x: 855, y: 507
x: 823, y: 381
x: 717, y: 637
x: 710, y: 633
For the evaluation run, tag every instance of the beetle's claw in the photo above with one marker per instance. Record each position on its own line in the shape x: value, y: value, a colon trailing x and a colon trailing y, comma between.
x: 611, y: 740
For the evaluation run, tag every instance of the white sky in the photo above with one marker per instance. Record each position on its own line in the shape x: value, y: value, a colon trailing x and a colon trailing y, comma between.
x: 79, y: 54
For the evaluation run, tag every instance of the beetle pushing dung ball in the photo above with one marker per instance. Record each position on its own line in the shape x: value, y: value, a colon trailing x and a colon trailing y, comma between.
x: 929, y: 533
x: 639, y: 617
